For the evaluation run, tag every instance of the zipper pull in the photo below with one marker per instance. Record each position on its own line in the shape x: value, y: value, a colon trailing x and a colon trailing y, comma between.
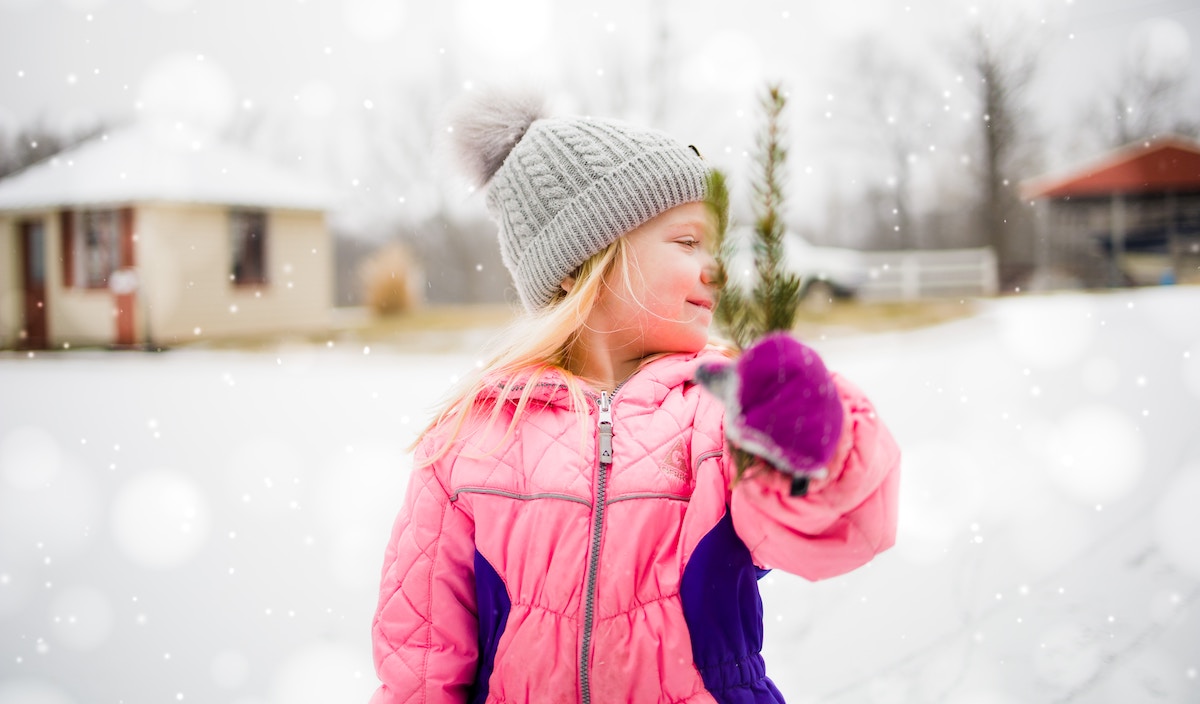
x: 606, y: 429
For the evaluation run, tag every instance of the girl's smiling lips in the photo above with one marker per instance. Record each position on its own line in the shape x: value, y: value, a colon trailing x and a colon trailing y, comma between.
x: 703, y: 303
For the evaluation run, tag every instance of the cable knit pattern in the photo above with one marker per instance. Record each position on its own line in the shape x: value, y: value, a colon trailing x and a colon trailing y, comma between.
x: 571, y: 186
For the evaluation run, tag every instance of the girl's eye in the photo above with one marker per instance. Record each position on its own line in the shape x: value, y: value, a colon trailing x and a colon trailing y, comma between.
x: 692, y: 243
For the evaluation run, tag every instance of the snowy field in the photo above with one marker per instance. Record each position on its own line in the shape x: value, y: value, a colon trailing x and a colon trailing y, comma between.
x: 203, y: 526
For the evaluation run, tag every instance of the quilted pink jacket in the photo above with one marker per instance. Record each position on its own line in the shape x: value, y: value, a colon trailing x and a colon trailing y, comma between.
x: 612, y: 563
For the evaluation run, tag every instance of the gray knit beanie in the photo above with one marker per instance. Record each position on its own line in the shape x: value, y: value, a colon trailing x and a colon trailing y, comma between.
x: 562, y: 189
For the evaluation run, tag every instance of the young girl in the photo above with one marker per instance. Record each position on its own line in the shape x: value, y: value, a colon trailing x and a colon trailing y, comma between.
x: 574, y: 529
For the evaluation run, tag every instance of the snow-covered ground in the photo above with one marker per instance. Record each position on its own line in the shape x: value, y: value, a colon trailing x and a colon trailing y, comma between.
x: 204, y: 526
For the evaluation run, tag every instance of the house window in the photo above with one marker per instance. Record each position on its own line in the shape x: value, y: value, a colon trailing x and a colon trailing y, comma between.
x: 94, y: 248
x: 248, y: 239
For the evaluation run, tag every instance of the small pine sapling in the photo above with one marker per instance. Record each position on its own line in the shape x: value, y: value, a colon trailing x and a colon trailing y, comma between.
x: 777, y: 291
x: 748, y: 317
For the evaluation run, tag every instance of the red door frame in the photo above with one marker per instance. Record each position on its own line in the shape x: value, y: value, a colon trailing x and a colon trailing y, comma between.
x: 34, y: 331
x: 126, y: 301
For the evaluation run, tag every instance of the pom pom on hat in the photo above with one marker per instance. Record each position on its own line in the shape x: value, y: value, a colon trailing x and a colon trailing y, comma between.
x: 486, y: 126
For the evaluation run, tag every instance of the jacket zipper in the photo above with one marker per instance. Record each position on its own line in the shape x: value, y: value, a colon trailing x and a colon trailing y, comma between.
x: 605, y: 428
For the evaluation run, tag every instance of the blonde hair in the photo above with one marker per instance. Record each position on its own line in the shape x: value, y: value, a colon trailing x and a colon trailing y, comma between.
x: 536, y: 344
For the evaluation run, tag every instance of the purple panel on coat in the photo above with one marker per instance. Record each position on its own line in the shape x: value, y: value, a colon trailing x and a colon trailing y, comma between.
x: 493, y: 605
x: 724, y: 616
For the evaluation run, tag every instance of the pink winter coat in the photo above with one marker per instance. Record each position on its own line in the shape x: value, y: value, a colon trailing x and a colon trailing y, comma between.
x: 528, y: 568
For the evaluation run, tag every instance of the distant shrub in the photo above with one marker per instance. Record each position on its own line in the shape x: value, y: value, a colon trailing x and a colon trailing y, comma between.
x: 391, y: 280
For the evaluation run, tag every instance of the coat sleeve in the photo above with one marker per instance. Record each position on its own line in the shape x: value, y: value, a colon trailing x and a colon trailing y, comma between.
x: 425, y: 627
x: 845, y: 520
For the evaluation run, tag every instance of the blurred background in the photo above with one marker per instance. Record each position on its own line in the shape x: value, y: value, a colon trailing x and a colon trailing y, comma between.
x: 237, y: 272
x: 910, y: 126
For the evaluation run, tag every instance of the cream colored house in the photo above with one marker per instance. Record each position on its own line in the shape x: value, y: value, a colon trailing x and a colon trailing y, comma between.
x: 152, y: 236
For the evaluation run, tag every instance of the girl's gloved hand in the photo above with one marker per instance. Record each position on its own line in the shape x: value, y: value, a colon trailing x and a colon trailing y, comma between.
x: 781, y: 405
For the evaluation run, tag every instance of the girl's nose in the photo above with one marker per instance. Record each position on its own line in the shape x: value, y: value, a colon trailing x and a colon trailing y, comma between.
x: 710, y: 272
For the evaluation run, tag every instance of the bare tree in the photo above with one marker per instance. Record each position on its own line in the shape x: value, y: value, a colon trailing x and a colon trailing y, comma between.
x: 1002, y: 63
x: 38, y: 141
x: 1147, y: 100
x: 897, y: 106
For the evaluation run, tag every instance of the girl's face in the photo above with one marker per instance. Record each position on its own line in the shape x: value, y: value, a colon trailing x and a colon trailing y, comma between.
x: 665, y: 301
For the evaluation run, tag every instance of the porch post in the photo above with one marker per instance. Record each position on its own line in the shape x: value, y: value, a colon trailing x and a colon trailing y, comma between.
x: 1117, y: 258
x: 1174, y: 253
x: 124, y: 282
x: 1041, y: 246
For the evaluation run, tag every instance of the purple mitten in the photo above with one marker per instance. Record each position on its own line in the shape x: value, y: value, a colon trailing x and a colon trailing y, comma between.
x: 781, y: 404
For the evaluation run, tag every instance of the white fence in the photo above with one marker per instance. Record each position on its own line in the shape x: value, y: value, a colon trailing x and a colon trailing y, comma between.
x: 908, y: 275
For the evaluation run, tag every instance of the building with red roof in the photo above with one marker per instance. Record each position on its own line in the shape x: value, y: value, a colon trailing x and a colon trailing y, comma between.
x: 1130, y: 217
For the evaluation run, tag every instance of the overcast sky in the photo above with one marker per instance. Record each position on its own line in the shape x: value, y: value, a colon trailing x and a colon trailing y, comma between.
x: 83, y: 58
x: 692, y: 67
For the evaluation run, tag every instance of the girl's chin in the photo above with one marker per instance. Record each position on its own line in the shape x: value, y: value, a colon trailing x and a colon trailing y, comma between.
x: 692, y: 345
x: 678, y: 337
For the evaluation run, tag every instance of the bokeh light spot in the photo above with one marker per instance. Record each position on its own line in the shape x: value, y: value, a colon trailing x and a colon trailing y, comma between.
x: 1096, y: 455
x: 1048, y: 331
x: 320, y: 674
x: 373, y: 20
x: 160, y: 519
x: 505, y: 30
x: 189, y: 88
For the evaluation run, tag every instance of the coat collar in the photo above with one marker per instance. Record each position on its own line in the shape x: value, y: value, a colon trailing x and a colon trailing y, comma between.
x: 650, y: 383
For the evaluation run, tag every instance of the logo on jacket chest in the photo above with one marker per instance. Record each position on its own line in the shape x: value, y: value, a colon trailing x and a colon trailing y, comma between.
x: 677, y: 464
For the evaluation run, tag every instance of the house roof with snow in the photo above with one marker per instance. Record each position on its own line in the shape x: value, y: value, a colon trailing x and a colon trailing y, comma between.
x: 1166, y: 164
x: 157, y: 163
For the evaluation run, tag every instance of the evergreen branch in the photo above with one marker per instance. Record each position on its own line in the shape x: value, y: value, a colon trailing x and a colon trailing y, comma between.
x: 776, y: 293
